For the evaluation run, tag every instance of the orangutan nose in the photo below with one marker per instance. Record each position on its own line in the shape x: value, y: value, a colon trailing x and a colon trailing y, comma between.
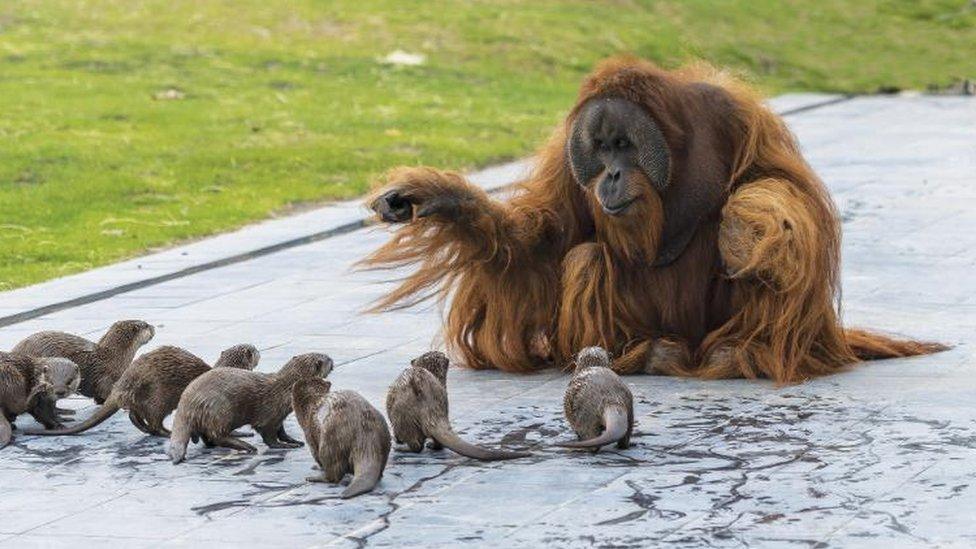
x: 613, y: 174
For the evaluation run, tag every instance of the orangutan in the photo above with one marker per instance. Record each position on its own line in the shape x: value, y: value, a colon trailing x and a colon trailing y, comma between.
x: 671, y: 219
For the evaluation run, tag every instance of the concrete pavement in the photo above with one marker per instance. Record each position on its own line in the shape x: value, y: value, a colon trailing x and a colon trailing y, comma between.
x: 883, y: 455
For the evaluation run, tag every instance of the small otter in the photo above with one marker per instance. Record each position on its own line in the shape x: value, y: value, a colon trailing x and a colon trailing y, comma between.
x: 150, y: 388
x: 224, y: 399
x: 101, y: 363
x: 598, y: 405
x: 417, y: 407
x: 65, y: 378
x: 23, y: 380
x: 345, y: 434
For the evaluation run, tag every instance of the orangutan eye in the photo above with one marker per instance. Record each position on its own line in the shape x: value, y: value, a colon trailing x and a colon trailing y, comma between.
x: 599, y: 145
x: 622, y: 143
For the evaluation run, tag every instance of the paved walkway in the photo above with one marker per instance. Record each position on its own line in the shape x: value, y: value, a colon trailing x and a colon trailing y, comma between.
x: 884, y: 455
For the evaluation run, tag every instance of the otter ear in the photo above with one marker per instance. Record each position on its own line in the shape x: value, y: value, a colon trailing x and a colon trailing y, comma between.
x: 701, y: 188
x: 583, y: 161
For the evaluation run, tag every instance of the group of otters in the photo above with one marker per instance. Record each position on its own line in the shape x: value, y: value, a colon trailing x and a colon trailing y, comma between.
x: 345, y: 434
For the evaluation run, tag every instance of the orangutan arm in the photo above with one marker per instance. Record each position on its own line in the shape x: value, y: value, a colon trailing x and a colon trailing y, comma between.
x: 774, y: 234
x: 499, y: 260
x: 450, y: 227
x: 432, y: 203
x: 436, y: 203
x: 779, y: 247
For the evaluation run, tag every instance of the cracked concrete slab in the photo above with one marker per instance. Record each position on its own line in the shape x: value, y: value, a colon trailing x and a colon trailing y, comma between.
x: 882, y: 455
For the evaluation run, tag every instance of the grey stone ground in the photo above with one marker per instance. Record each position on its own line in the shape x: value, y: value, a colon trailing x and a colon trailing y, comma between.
x: 882, y: 456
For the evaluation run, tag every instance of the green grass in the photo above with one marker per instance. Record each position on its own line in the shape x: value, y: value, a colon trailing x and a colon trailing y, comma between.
x: 286, y: 103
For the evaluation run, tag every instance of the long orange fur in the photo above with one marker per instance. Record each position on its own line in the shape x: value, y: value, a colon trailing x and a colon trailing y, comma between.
x: 755, y: 294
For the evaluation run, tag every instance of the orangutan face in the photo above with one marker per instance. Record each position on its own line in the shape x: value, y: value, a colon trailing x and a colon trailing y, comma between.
x: 618, y: 153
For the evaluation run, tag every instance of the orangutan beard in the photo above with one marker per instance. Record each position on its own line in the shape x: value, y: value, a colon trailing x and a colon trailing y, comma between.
x: 634, y: 235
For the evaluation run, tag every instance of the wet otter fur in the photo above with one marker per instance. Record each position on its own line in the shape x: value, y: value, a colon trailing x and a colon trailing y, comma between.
x: 101, y: 363
x: 23, y: 379
x: 345, y: 434
x: 64, y: 377
x: 150, y: 388
x: 223, y: 399
x: 598, y: 405
x: 417, y: 406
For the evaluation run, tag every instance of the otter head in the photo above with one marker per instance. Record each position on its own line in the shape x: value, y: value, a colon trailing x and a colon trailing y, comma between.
x: 308, y: 365
x: 63, y: 375
x: 592, y: 357
x: 434, y: 362
x: 129, y: 334
x: 307, y: 393
x: 243, y: 357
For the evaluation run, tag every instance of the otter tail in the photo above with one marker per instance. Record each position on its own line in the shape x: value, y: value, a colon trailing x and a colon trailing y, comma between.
x: 179, y: 439
x: 445, y: 435
x: 6, y: 430
x: 874, y: 346
x: 365, y: 480
x: 616, y: 422
x: 104, y: 412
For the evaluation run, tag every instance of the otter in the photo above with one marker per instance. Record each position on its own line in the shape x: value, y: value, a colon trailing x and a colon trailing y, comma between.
x: 101, y: 363
x: 224, y: 399
x: 65, y: 378
x: 417, y: 407
x: 345, y: 434
x: 598, y: 405
x: 23, y: 379
x: 150, y: 388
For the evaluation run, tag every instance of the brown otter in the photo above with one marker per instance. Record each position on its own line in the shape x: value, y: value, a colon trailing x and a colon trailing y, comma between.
x: 224, y: 399
x: 65, y: 378
x: 416, y: 404
x: 23, y: 380
x: 345, y: 434
x: 598, y: 405
x: 101, y: 363
x: 150, y: 388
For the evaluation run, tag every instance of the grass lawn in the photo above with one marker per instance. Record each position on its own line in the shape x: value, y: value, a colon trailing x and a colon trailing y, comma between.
x: 132, y: 124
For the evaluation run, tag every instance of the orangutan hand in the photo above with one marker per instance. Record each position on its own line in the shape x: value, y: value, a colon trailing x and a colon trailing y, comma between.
x: 766, y: 232
x: 416, y: 193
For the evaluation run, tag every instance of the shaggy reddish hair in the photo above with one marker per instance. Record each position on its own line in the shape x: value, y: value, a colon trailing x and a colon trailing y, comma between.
x: 533, y: 280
